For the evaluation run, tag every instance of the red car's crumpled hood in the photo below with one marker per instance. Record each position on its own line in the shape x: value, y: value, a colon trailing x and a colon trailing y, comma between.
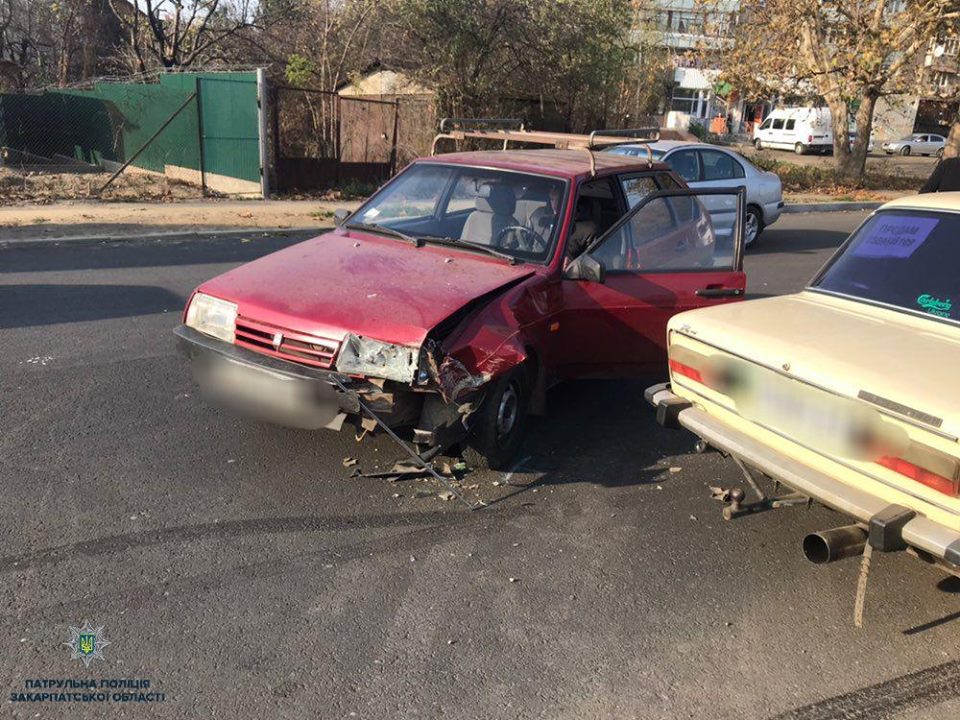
x: 368, y: 285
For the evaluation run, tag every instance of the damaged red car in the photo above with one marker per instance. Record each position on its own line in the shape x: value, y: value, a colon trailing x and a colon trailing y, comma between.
x: 457, y: 295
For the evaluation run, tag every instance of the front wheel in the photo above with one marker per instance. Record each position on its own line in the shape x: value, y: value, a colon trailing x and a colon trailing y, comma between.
x: 498, y: 427
x: 753, y: 226
x: 940, y: 153
x: 758, y: 144
x: 905, y: 150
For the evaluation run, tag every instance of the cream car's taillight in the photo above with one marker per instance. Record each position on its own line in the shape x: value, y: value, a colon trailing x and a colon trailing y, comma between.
x: 686, y: 370
x: 927, y: 467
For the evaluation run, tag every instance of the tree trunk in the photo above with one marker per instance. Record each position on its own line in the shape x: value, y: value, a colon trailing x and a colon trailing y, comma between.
x: 840, y: 121
x: 952, y: 148
x: 855, y: 162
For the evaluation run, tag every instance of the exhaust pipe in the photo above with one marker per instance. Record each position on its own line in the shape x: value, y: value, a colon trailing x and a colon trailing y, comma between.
x: 837, y: 544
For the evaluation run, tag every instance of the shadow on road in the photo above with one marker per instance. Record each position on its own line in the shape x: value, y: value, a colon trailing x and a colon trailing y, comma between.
x: 31, y: 305
x: 599, y: 432
x: 184, y: 250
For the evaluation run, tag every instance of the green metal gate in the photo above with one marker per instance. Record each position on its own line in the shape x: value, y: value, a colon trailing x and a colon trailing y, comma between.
x: 228, y: 124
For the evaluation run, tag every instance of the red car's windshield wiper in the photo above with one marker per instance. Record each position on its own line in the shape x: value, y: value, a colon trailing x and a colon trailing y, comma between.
x: 475, y: 246
x: 384, y: 230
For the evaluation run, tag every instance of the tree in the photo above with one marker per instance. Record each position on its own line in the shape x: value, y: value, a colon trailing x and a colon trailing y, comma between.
x: 849, y: 53
x: 181, y: 33
x: 481, y: 56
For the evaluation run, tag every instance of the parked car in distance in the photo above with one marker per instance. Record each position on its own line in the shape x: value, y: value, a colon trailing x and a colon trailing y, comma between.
x: 916, y: 144
x: 469, y: 284
x: 846, y: 392
x: 703, y: 166
x: 802, y: 130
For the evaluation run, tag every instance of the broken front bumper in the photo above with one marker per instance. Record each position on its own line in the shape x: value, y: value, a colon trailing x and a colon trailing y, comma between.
x: 918, y: 531
x: 274, y: 390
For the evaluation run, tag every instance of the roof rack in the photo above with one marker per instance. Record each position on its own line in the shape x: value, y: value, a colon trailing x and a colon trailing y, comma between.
x: 507, y: 130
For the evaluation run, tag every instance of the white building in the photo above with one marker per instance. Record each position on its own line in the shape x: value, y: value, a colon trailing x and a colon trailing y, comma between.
x: 685, y: 28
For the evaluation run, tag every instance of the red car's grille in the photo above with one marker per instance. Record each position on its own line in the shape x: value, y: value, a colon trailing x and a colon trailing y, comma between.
x: 294, y: 346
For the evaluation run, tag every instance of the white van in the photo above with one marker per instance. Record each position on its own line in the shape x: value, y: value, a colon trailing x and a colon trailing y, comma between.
x: 799, y: 129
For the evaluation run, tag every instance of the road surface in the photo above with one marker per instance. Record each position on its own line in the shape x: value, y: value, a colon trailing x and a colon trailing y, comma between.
x: 239, y: 569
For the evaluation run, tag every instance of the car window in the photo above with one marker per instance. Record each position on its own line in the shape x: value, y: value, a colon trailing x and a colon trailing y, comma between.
x: 778, y: 124
x: 719, y: 166
x: 514, y: 212
x: 790, y: 124
x: 907, y: 259
x: 766, y: 124
x: 415, y: 194
x: 637, y: 187
x: 685, y: 164
x: 667, y: 182
x: 671, y: 234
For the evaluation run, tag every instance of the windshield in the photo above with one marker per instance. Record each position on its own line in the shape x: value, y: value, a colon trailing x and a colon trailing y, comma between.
x: 905, y: 258
x: 514, y: 213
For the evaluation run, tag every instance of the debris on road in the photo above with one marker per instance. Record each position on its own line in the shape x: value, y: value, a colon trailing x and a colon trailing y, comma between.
x: 349, y: 461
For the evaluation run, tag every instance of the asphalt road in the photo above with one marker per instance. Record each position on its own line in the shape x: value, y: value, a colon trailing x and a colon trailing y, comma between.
x: 239, y: 569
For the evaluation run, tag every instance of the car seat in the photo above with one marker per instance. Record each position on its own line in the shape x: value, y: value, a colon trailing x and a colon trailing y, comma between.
x: 495, y: 205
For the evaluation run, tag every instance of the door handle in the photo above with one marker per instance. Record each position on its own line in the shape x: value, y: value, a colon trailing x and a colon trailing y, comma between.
x: 712, y: 292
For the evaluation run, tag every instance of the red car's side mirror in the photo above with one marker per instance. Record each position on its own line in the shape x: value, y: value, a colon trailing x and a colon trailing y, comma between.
x: 586, y: 268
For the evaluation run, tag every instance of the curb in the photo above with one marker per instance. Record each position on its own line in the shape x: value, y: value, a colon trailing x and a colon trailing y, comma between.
x: 127, y: 237
x: 831, y: 207
x: 81, y: 239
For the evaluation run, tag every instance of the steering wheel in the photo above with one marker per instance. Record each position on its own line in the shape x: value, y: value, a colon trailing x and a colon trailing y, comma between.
x: 530, y: 241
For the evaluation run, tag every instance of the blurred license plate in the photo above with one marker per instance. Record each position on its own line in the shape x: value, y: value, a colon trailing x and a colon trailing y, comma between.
x: 805, y: 415
x: 269, y: 395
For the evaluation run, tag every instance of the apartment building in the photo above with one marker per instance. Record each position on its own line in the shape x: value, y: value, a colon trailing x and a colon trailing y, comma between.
x: 689, y: 32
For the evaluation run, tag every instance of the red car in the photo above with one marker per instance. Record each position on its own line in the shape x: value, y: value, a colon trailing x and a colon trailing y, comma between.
x: 465, y: 288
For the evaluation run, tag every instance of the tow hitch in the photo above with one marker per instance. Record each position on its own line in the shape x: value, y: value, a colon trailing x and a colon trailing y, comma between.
x: 733, y: 498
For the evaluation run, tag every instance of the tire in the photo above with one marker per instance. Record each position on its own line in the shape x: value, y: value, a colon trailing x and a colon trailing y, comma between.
x: 905, y: 150
x: 491, y: 444
x: 757, y: 144
x: 940, y: 153
x: 800, y: 149
x: 753, y: 219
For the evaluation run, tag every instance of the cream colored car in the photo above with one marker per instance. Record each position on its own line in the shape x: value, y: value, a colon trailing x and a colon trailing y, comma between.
x: 848, y: 393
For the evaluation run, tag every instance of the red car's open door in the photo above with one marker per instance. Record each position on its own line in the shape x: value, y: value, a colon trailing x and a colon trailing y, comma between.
x: 675, y: 250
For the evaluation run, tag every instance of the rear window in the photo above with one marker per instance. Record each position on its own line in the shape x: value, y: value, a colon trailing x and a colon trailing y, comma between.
x: 907, y: 259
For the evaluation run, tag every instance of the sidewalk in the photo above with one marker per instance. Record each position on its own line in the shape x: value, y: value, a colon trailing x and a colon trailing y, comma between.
x: 78, y: 218
x: 75, y: 220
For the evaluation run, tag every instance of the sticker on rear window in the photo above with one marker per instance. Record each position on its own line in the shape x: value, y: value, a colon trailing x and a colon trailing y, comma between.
x: 935, y: 306
x: 895, y: 237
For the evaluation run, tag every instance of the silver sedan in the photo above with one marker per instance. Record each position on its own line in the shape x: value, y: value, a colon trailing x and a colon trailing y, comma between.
x: 916, y: 144
x: 707, y: 166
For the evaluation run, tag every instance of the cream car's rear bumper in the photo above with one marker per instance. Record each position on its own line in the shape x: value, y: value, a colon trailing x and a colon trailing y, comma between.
x: 917, y: 531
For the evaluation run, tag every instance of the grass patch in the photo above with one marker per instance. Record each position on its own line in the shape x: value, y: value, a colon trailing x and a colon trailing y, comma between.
x: 826, y: 181
x: 40, y: 220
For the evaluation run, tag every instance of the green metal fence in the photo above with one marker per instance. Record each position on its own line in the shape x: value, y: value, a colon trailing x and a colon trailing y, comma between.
x: 212, y: 142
